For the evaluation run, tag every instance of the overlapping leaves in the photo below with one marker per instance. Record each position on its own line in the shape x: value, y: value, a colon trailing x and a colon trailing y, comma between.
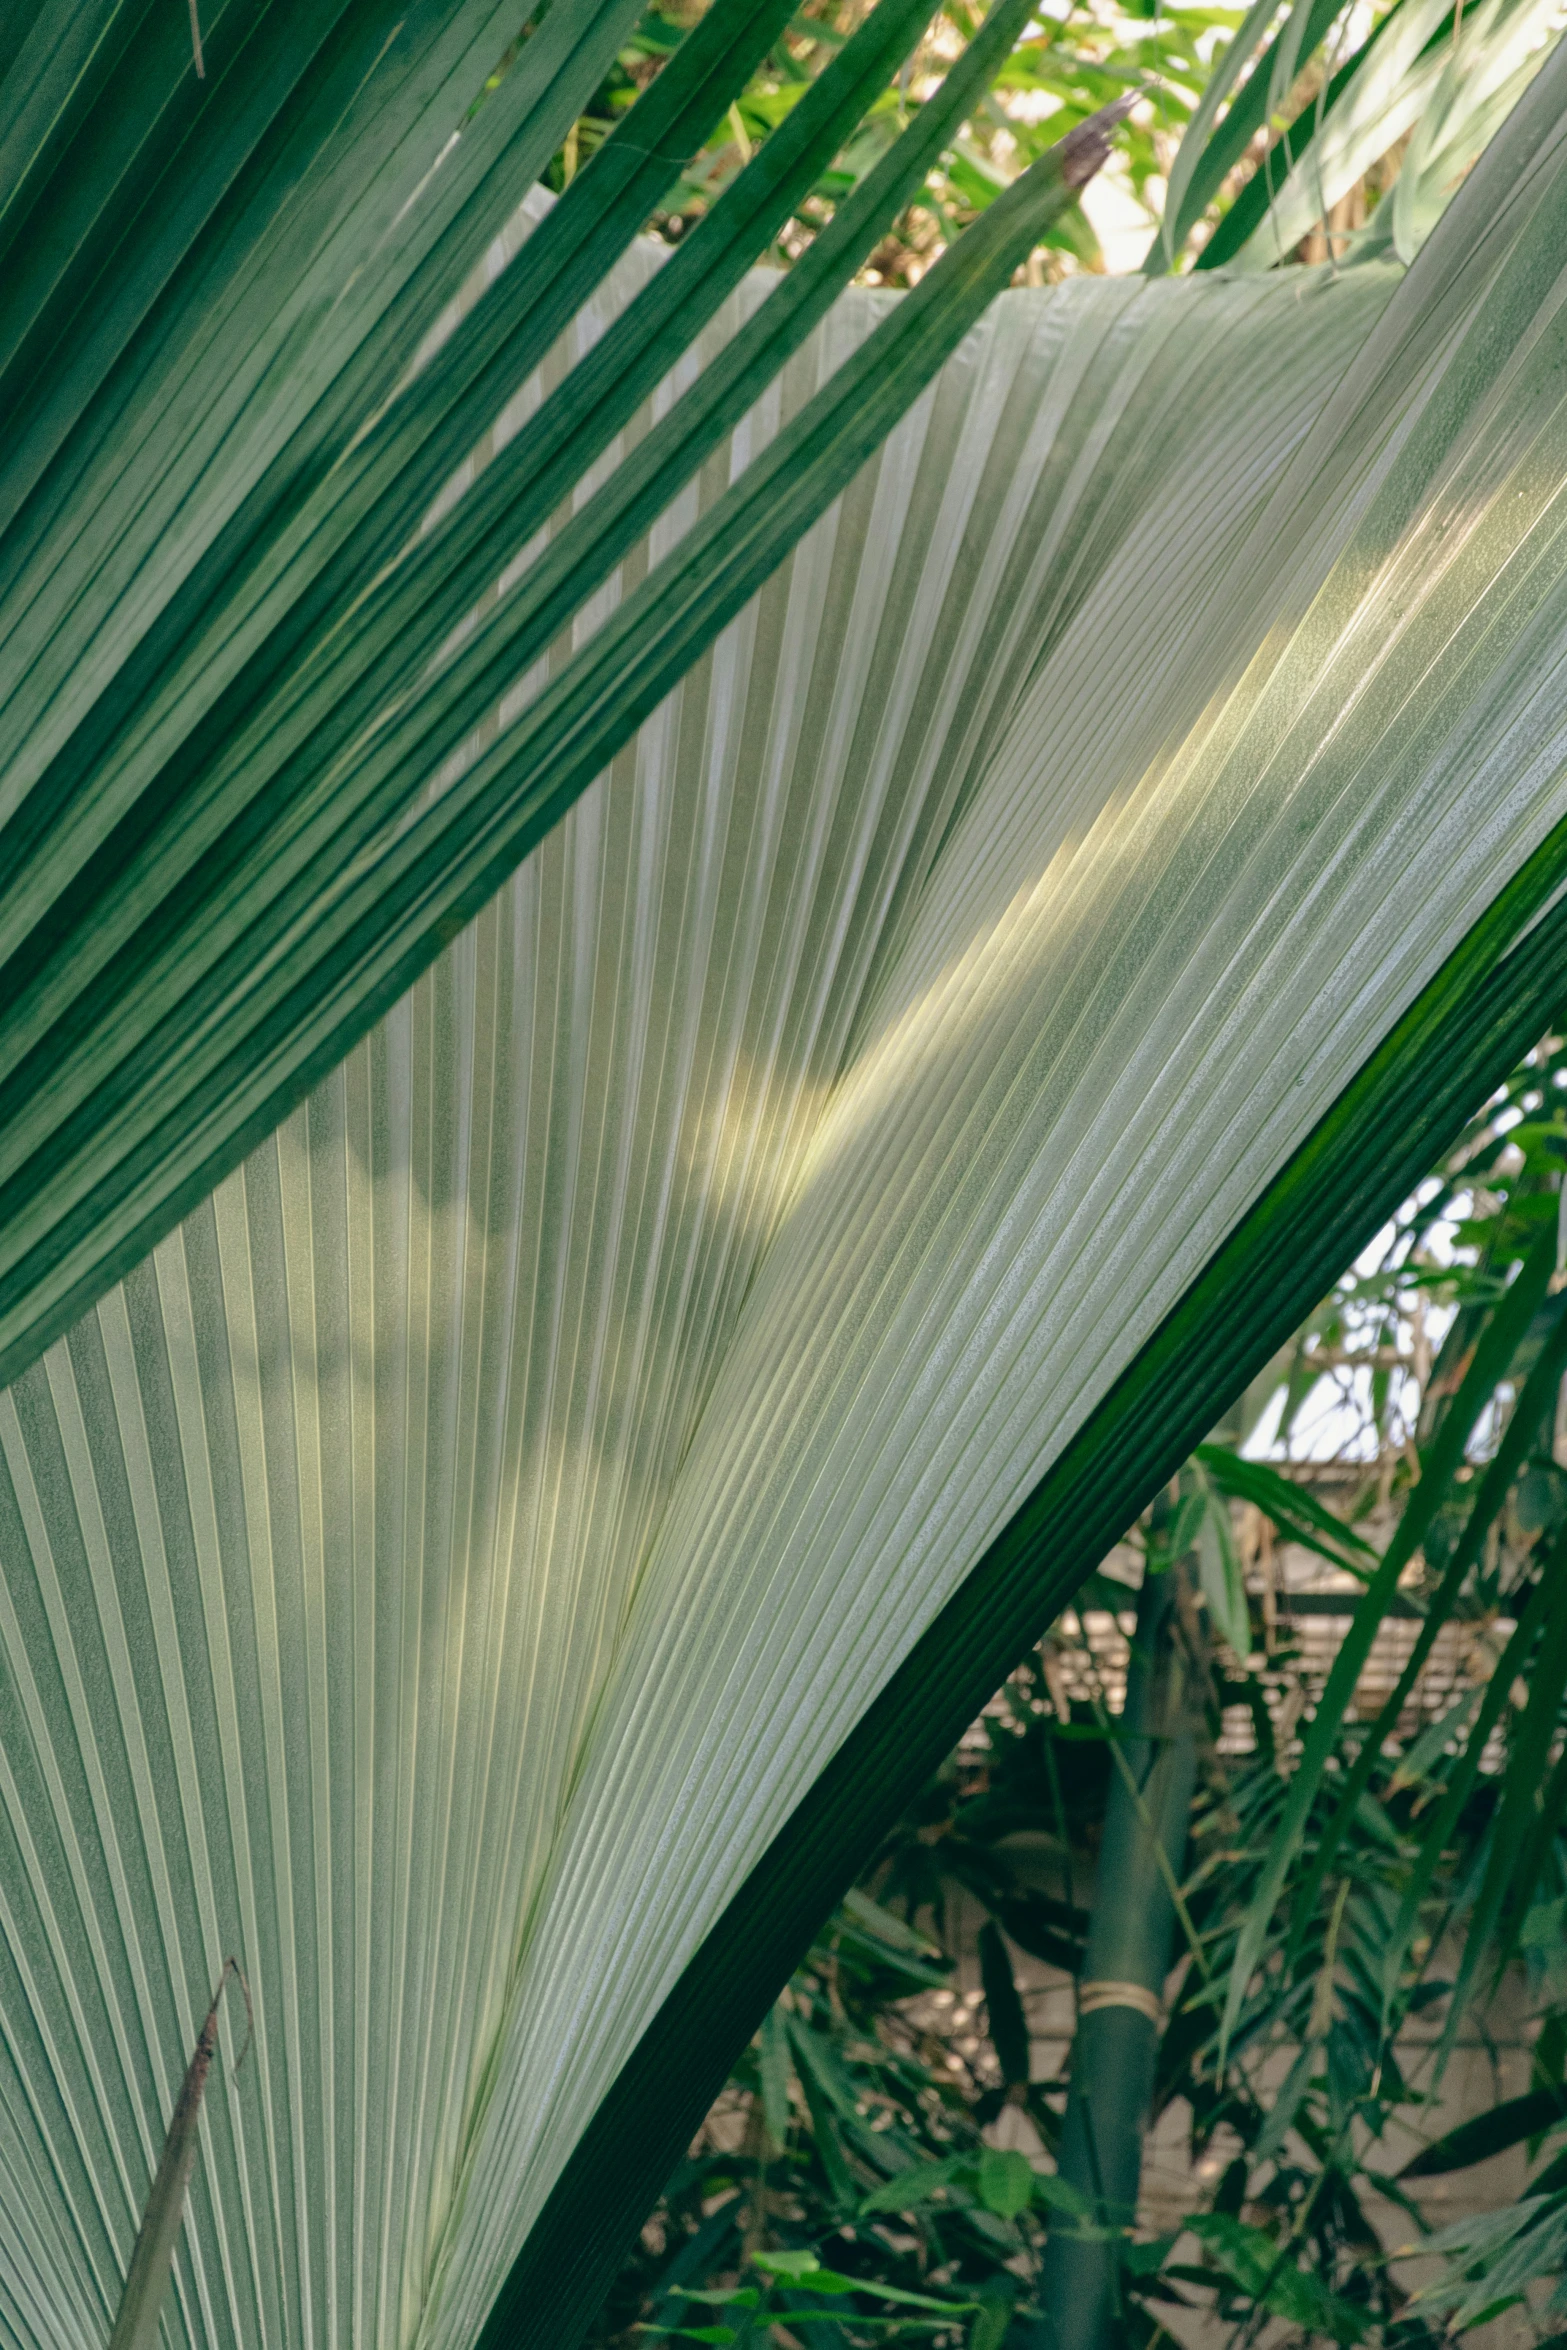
x: 179, y: 827
x: 801, y: 1148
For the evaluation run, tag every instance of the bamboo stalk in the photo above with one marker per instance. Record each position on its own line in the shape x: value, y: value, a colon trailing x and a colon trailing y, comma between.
x: 1116, y: 2046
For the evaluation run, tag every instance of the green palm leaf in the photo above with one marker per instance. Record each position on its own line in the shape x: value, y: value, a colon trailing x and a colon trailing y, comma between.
x: 953, y: 1146
x: 1077, y: 768
x: 1450, y: 86
x: 521, y: 1228
x: 1451, y: 76
x: 164, y: 852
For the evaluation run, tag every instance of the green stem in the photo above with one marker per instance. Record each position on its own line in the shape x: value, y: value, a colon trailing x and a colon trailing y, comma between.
x: 1134, y: 1916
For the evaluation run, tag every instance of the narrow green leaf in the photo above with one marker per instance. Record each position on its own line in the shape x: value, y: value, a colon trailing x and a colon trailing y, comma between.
x: 1507, y: 2124
x: 1517, y: 1843
x: 827, y: 2096
x: 1529, y: 1865
x: 1247, y: 216
x: 1007, y: 2023
x: 991, y: 2327
x: 337, y: 952
x: 1181, y: 207
x: 1438, y: 1827
x: 715, y: 2334
x: 1493, y: 1353
x: 1424, y: 1752
x: 1537, y: 1398
x: 1057, y: 2194
x: 1186, y: 1523
x: 1286, y: 2105
x: 887, y: 1927
x: 923, y: 2181
x: 774, y: 2068
x: 805, y: 2274
x: 1294, y: 1509
x: 1219, y: 1571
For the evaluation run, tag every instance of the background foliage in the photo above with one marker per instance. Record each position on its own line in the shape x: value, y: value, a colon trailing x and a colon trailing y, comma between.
x: 1076, y: 56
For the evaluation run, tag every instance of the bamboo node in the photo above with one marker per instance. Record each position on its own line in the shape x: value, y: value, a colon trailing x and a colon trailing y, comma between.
x: 1110, y: 1994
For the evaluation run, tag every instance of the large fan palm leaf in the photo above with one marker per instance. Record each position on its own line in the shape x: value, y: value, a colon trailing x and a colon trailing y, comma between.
x: 451, y: 1569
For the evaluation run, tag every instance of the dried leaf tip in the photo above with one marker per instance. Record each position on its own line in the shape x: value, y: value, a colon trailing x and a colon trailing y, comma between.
x: 152, y: 2255
x: 231, y: 1966
x: 1083, y: 151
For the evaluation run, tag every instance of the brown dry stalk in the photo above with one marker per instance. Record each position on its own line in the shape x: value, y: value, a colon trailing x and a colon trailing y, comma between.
x: 152, y: 2256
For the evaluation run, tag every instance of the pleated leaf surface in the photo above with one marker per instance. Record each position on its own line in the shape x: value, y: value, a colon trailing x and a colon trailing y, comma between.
x: 341, y: 1505
x: 440, y: 1569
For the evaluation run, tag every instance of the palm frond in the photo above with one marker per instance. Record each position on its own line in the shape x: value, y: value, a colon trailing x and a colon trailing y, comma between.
x: 516, y: 1237
x: 147, y: 792
x: 1093, y: 746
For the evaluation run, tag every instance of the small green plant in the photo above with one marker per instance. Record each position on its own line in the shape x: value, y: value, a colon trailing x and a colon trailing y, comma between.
x: 795, y: 2289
